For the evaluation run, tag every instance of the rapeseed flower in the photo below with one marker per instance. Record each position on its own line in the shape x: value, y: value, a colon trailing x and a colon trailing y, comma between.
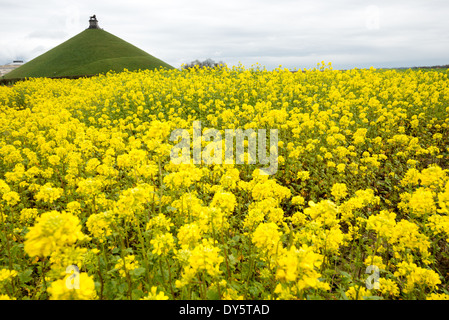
x: 162, y: 243
x: 155, y: 295
x: 357, y: 293
x: 421, y: 202
x: 128, y: 264
x: 361, y: 157
x: 226, y: 201
x: 52, y: 231
x: 159, y: 223
x: 323, y: 212
x: 388, y: 287
x: 83, y: 290
x: 339, y: 191
x: 6, y: 274
x: 438, y: 296
x: 189, y: 234
x: 100, y: 224
x: 205, y: 257
x: 298, y: 200
x: 49, y: 194
x: 415, y: 276
x: 11, y: 198
x: 266, y: 237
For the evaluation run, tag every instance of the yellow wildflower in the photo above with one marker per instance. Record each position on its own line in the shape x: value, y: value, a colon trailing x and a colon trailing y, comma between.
x: 52, y: 231
x: 154, y: 295
x: 339, y: 191
x: 69, y: 289
x: 130, y: 263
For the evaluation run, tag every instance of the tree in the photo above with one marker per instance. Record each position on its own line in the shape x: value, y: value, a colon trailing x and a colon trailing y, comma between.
x: 208, y: 63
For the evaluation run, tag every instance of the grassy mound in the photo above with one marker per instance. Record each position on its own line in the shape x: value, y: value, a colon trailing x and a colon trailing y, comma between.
x: 92, y: 51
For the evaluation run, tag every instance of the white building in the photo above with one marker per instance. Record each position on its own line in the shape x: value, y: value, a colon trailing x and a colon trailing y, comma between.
x: 10, y: 66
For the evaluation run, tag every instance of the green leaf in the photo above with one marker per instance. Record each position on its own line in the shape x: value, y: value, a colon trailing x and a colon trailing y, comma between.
x: 25, y: 276
x: 128, y: 251
x: 112, y: 271
x: 115, y: 250
x: 345, y: 274
x: 343, y: 295
x: 372, y: 298
x: 236, y: 238
x: 314, y: 297
x: 235, y: 285
x: 171, y: 209
x: 137, y: 294
x: 137, y: 272
x: 254, y: 291
x: 212, y: 294
x: 232, y: 259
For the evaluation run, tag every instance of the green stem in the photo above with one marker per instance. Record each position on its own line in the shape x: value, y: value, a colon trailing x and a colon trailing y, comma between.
x: 226, y: 257
x: 128, y: 278
x: 219, y: 290
x: 43, y: 277
x: 203, y: 285
x: 100, y: 272
x: 160, y: 184
x: 8, y: 248
x: 144, y: 253
x: 106, y: 260
x: 101, y: 278
x: 170, y: 278
x: 94, y: 205
x: 250, y: 267
x: 162, y: 273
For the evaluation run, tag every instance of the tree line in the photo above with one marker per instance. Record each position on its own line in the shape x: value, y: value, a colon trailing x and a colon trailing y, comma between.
x: 203, y: 64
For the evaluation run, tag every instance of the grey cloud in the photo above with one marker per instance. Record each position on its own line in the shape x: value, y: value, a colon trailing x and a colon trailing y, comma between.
x: 47, y: 34
x: 294, y: 33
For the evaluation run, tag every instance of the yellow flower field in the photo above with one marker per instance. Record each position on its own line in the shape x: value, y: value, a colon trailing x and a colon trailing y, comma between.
x: 91, y: 206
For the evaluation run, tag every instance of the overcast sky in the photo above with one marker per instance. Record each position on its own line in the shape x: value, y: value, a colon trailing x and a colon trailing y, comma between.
x: 293, y: 33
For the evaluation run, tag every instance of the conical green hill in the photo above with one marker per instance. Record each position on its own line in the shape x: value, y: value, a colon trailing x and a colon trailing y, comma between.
x: 90, y: 52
